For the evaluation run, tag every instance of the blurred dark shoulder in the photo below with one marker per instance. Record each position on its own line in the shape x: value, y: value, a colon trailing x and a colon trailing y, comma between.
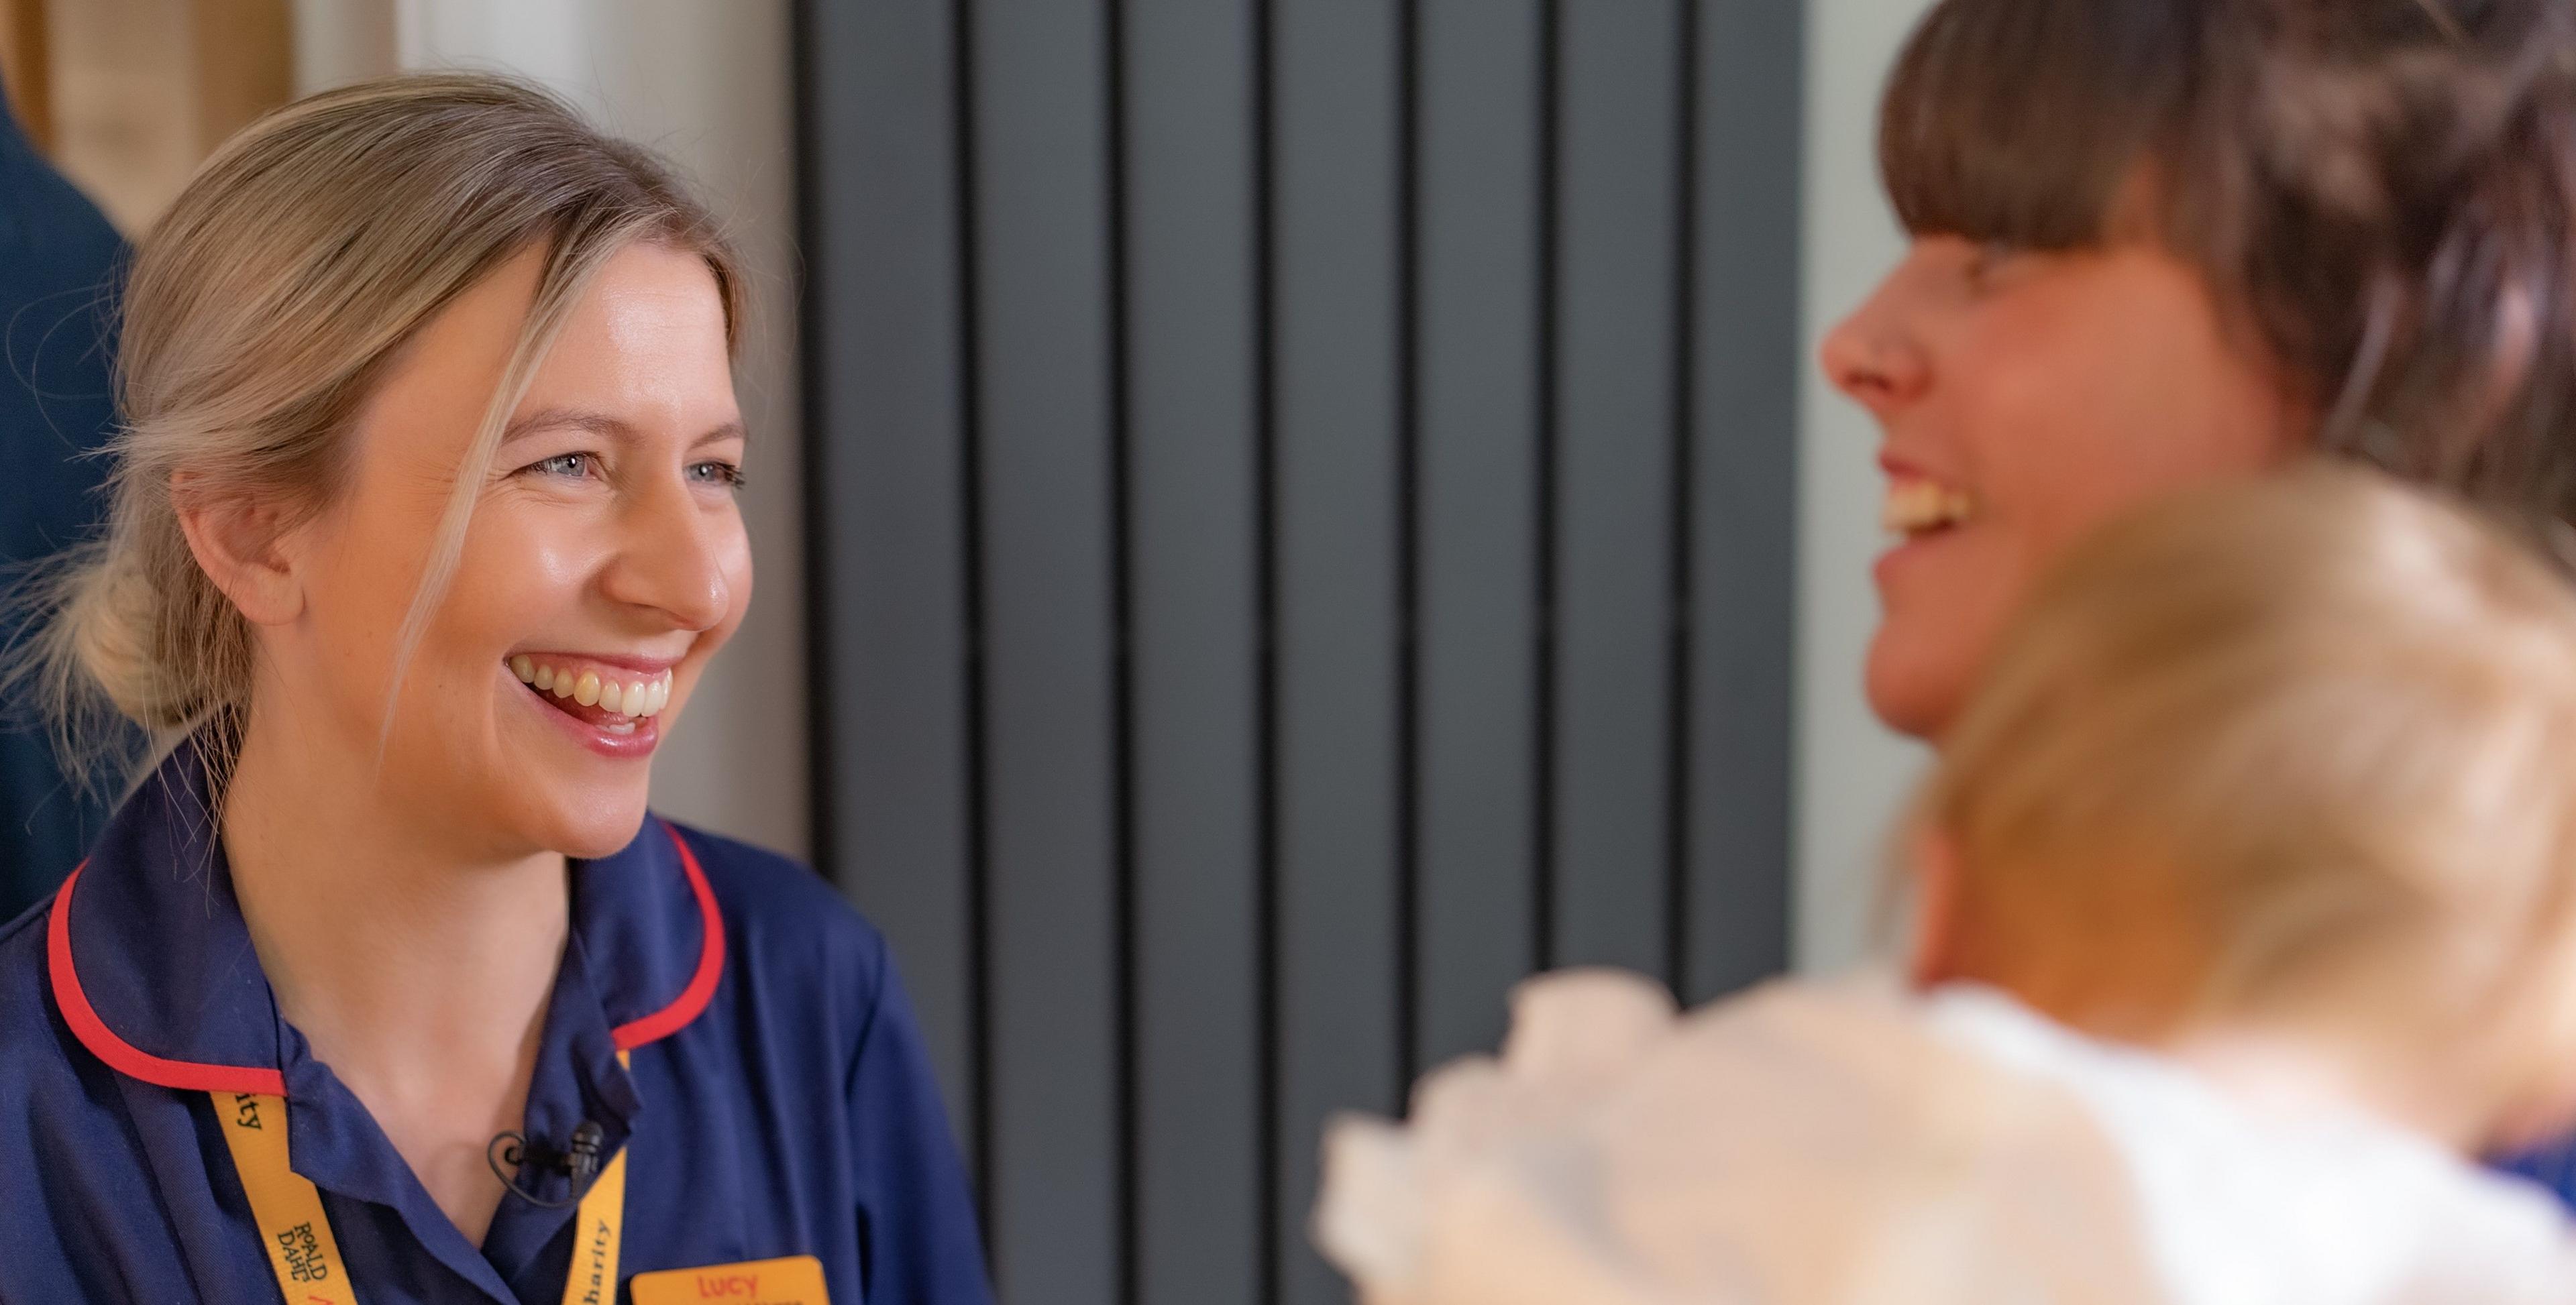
x: 60, y: 265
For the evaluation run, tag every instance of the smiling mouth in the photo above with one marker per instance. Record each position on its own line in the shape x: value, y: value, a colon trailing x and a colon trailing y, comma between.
x: 611, y: 699
x: 1915, y: 507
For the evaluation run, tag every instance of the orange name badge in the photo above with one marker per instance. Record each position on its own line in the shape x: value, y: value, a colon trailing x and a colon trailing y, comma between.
x: 795, y: 1280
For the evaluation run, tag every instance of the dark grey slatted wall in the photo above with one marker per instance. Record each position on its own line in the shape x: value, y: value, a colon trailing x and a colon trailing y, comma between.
x: 1337, y: 296
x: 1617, y: 291
x: 1302, y: 501
x: 1194, y: 491
x: 1737, y: 470
x: 884, y: 316
x: 1039, y: 127
x: 1479, y: 274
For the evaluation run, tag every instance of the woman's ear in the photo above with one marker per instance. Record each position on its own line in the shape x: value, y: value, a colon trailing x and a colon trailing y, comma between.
x: 241, y: 545
x: 1932, y: 858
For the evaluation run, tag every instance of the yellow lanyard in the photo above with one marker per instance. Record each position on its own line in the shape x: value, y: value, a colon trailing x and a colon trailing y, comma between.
x: 297, y: 1235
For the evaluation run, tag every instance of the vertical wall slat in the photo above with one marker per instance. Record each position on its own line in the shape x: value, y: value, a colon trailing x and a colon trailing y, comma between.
x: 885, y: 467
x: 1614, y: 369
x: 1745, y: 361
x: 1041, y: 226
x: 1192, y: 512
x: 1334, y: 95
x: 1478, y: 155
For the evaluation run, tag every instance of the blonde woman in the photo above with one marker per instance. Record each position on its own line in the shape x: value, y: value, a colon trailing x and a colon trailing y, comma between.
x: 384, y: 985
x: 2247, y: 920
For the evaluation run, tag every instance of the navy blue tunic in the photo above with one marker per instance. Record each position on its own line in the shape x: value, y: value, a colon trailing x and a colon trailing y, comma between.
x: 2553, y: 1165
x: 778, y: 1101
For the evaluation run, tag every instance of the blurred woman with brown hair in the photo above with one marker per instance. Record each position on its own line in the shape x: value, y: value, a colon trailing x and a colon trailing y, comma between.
x: 2160, y: 242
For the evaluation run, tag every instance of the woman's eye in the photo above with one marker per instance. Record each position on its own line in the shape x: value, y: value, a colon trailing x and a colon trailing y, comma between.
x: 562, y: 464
x: 716, y: 473
x: 1991, y: 256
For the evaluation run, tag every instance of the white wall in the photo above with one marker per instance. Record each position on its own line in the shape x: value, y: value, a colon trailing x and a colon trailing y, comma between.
x: 1851, y: 772
x: 711, y: 86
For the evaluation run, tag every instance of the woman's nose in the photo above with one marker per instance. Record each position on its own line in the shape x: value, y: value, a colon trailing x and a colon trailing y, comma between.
x: 681, y: 557
x: 1871, y: 357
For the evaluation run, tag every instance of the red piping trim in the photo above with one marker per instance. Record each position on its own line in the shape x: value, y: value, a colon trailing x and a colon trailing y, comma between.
x: 120, y: 1055
x: 198, y: 1076
x: 702, y: 985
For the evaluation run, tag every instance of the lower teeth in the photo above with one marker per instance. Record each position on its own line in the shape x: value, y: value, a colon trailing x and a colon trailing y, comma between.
x: 612, y: 725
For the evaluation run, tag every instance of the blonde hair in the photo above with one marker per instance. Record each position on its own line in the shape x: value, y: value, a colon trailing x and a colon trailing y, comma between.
x: 2330, y: 721
x: 262, y: 311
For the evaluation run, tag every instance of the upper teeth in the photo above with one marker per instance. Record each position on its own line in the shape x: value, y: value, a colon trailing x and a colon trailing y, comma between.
x: 1917, y: 505
x: 626, y: 697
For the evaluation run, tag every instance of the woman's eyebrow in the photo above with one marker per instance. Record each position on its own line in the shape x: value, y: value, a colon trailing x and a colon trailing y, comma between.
x: 600, y: 423
x: 597, y: 423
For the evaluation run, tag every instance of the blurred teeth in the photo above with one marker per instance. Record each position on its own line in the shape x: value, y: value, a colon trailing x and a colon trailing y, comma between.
x: 1915, y: 507
x: 627, y: 696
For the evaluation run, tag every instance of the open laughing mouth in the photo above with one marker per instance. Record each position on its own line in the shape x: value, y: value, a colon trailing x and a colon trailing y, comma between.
x: 613, y: 708
x: 1916, y: 508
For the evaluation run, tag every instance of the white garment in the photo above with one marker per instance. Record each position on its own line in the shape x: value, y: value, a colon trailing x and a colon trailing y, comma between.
x: 1853, y: 1144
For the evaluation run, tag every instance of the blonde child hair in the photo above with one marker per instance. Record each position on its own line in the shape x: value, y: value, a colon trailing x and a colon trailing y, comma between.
x: 2247, y: 886
x: 2289, y: 753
